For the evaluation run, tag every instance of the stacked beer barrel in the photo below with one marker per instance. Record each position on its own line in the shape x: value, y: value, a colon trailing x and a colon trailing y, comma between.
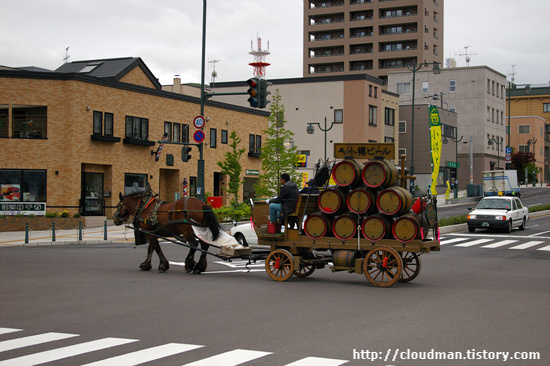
x: 366, y: 196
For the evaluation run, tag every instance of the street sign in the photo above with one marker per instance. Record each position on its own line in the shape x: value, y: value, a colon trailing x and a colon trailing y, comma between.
x: 199, y: 122
x: 508, y: 150
x: 508, y: 157
x: 199, y: 136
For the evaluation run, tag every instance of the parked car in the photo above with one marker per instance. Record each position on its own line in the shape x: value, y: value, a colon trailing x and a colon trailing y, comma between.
x: 498, y: 212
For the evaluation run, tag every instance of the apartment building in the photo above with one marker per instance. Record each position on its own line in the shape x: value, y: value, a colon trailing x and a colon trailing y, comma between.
x: 343, y: 37
x: 529, y: 107
x: 75, y: 137
x: 356, y: 109
x: 477, y: 95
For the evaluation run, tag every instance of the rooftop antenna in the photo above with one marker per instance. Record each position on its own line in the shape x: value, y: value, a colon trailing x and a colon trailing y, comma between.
x: 467, y: 55
x: 513, y: 74
x: 214, y: 73
x: 259, y: 63
x: 66, y: 58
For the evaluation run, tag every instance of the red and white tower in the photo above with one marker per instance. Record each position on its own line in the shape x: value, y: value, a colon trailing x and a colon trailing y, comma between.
x: 259, y: 63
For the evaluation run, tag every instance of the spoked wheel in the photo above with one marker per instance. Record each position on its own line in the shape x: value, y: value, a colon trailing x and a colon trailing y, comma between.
x: 279, y: 265
x: 411, y: 266
x: 383, y: 266
x: 304, y: 270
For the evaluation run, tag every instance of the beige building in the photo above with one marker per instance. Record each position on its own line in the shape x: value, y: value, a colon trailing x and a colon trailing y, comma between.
x: 356, y: 108
x: 75, y: 137
x: 343, y: 37
x: 477, y: 95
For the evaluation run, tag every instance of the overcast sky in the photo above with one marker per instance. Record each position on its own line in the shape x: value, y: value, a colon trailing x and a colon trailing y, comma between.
x: 166, y: 34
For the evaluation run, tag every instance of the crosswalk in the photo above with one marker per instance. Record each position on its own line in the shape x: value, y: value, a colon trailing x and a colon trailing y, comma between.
x: 522, y: 243
x: 230, y: 358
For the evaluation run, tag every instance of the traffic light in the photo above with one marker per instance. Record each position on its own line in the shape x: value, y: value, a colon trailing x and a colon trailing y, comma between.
x: 264, y: 93
x: 185, y: 154
x: 254, y: 92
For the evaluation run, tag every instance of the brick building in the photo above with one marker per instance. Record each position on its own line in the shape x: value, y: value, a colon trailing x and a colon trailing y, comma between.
x: 77, y: 136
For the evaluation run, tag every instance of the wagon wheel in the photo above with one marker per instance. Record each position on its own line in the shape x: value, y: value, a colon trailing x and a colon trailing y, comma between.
x: 383, y: 266
x: 304, y: 270
x: 411, y: 266
x: 279, y: 265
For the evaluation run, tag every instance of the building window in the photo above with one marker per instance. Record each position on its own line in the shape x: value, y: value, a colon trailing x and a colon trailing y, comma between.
x: 30, y: 122
x: 452, y: 85
x: 103, y: 123
x: 372, y: 115
x: 177, y: 132
x: 524, y: 129
x: 168, y: 130
x: 488, y: 86
x: 4, y: 121
x: 389, y: 116
x: 425, y: 88
x: 224, y: 136
x: 523, y: 148
x: 19, y: 185
x: 402, y: 126
x: 388, y: 139
x: 403, y: 88
x: 452, y: 109
x: 402, y: 151
x: 338, y: 116
x: 546, y: 107
x: 254, y: 145
x: 213, y: 137
x: 137, y: 128
x: 184, y: 133
x: 134, y: 183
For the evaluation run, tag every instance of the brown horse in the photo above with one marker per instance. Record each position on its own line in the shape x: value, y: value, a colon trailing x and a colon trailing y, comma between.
x: 169, y: 219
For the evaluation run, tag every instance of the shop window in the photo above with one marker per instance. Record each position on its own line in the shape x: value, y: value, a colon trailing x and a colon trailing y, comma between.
x: 29, y: 122
x: 22, y: 185
x: 134, y: 183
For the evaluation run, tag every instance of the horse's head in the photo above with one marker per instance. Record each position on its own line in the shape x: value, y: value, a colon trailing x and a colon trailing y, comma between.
x: 123, y: 210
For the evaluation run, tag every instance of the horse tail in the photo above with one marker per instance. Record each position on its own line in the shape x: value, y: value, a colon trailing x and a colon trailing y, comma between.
x: 211, y: 222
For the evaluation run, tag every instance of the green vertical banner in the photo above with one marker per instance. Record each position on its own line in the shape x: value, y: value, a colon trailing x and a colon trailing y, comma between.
x: 435, y: 140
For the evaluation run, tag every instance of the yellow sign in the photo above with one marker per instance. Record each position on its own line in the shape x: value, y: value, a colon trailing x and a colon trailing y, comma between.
x: 302, y: 161
x: 435, y: 139
x: 365, y: 151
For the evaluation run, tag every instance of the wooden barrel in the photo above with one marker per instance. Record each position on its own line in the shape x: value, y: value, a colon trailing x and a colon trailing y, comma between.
x: 344, y: 226
x: 406, y: 228
x: 379, y: 173
x: 394, y: 201
x: 347, y: 173
x: 361, y: 200
x: 332, y: 200
x: 343, y: 258
x: 376, y: 227
x: 317, y: 225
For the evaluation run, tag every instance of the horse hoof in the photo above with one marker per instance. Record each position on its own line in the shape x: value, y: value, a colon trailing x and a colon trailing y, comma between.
x: 145, y: 267
x: 196, y: 271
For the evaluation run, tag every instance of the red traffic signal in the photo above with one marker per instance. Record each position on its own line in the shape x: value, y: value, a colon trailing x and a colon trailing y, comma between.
x: 254, y: 92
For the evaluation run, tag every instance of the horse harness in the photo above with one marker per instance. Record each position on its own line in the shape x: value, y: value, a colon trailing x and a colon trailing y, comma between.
x: 152, y: 220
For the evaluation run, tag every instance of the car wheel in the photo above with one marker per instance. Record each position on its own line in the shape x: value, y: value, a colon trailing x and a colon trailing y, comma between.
x: 509, y: 227
x: 240, y: 238
x: 523, y: 224
x: 471, y: 229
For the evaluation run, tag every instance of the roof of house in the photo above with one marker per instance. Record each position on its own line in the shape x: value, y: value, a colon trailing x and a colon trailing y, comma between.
x: 114, y: 68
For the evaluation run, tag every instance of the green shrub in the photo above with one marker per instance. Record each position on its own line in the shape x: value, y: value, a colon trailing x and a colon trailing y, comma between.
x: 76, y: 215
x: 51, y: 215
x: 239, y: 212
x: 64, y: 213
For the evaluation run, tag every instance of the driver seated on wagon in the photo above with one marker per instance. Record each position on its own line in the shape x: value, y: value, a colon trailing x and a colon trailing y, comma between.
x: 285, y: 202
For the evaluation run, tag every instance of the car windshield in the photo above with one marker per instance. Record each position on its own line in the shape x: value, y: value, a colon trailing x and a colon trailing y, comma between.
x: 494, y: 204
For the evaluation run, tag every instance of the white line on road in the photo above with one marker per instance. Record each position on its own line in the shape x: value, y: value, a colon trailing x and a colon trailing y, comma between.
x: 64, y: 352
x: 146, y: 355
x: 546, y: 248
x: 472, y: 243
x: 318, y: 361
x: 33, y: 340
x: 231, y: 358
x: 499, y: 244
x: 529, y: 244
x: 450, y: 241
x: 9, y: 330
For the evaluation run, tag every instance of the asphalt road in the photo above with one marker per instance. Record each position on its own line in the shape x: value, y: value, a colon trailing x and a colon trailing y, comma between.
x: 467, y: 299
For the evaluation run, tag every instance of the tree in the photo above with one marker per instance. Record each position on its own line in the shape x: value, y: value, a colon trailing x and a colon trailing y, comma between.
x: 524, y: 160
x: 277, y: 153
x: 232, y: 167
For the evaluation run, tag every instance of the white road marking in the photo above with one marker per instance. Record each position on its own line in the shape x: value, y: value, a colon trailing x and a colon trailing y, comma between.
x: 317, y: 361
x: 231, y: 358
x: 64, y: 352
x: 499, y: 244
x: 472, y: 243
x: 146, y: 355
x: 33, y: 340
x: 9, y: 330
x: 450, y: 241
x: 527, y: 245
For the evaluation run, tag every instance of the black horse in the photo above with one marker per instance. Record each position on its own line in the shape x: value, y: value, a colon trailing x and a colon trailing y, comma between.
x: 168, y: 219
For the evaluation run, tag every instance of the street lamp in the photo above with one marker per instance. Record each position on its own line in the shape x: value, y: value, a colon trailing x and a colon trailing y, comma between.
x: 310, y: 130
x: 415, y: 67
x: 490, y: 142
